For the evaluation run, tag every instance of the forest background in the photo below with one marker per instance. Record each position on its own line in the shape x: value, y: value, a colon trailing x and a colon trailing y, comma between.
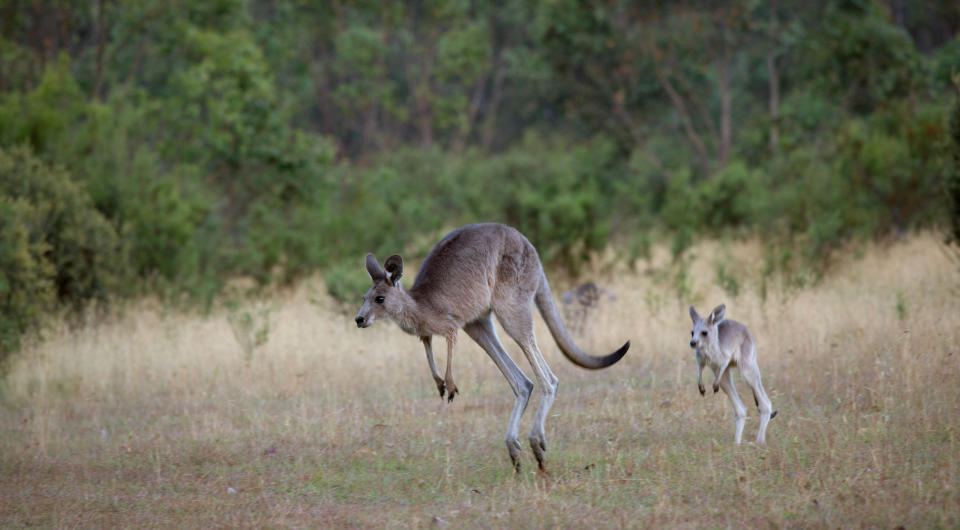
x: 174, y: 148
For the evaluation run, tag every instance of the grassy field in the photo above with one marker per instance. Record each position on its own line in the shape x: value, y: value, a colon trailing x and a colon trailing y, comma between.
x: 155, y: 419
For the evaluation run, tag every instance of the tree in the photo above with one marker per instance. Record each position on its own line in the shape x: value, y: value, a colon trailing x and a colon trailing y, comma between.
x: 952, y: 184
x: 56, y: 245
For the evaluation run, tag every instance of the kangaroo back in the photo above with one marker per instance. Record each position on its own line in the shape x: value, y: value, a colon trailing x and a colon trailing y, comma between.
x: 476, y: 268
x: 548, y: 310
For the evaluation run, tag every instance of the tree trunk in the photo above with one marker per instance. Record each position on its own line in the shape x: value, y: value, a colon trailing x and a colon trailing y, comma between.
x: 101, y: 46
x: 774, y: 82
x: 424, y: 109
x: 681, y: 107
x: 493, y: 107
x: 701, y: 104
x: 476, y: 101
x: 726, y: 103
x: 639, y: 141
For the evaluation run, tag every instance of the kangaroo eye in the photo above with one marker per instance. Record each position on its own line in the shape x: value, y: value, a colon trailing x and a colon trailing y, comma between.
x: 378, y: 299
x: 704, y: 333
x: 691, y: 333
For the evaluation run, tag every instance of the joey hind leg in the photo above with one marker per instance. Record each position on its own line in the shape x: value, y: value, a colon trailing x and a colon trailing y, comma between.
x: 751, y: 374
x: 739, y: 411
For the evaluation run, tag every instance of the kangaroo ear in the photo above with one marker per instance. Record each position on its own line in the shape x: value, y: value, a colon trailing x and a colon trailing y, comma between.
x: 373, y: 269
x: 693, y: 315
x: 717, y: 315
x: 394, y: 267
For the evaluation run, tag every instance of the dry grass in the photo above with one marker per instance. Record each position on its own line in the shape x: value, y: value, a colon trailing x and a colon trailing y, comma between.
x: 169, y: 420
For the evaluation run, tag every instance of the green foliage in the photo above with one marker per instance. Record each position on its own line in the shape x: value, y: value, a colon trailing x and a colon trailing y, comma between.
x: 726, y: 280
x: 83, y: 249
x: 860, y: 56
x: 162, y: 223
x: 952, y: 176
x: 227, y: 91
x: 727, y: 201
x: 946, y: 64
x: 347, y: 281
x: 893, y: 163
x: 250, y: 327
x: 56, y: 245
x: 901, y: 306
x: 44, y: 116
x: 26, y: 278
x: 560, y: 199
x: 168, y: 147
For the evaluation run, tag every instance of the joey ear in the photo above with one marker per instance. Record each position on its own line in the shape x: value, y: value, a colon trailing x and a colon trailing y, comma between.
x: 373, y: 269
x: 394, y: 268
x: 717, y: 315
x: 693, y: 315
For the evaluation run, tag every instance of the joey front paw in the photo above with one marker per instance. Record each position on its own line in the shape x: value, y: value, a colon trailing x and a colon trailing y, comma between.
x: 716, y: 387
x: 701, y: 389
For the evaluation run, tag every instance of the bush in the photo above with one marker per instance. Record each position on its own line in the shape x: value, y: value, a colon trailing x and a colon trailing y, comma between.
x: 561, y: 198
x: 858, y: 55
x: 348, y: 281
x: 26, y: 278
x: 57, y: 246
x: 952, y: 176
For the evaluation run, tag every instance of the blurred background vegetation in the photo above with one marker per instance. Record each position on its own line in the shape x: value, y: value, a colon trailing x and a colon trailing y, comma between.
x: 166, y: 147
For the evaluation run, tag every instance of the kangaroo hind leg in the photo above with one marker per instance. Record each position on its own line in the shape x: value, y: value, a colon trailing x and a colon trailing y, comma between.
x: 751, y: 374
x: 517, y: 321
x: 739, y: 411
x: 483, y: 332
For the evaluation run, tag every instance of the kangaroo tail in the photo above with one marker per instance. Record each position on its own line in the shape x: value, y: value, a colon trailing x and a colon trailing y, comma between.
x: 548, y: 310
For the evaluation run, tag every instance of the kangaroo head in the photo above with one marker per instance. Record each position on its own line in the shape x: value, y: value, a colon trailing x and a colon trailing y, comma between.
x: 384, y: 297
x: 704, y: 331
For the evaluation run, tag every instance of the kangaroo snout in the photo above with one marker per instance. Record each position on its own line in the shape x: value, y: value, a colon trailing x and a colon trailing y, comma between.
x: 693, y: 343
x: 360, y: 321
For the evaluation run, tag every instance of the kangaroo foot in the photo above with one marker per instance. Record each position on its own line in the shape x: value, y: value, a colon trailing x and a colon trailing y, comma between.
x: 441, y: 386
x: 539, y: 447
x: 700, y: 387
x: 513, y: 446
x: 452, y: 390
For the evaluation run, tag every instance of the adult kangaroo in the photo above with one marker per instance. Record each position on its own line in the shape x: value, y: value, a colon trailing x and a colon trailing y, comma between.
x: 475, y: 272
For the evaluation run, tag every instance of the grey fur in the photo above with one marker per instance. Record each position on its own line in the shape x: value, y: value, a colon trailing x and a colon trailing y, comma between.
x: 724, y: 344
x: 473, y: 273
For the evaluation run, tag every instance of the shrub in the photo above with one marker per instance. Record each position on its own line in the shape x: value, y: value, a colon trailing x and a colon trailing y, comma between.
x: 348, y: 280
x: 26, y: 278
x: 57, y: 246
x: 952, y: 176
x: 561, y: 198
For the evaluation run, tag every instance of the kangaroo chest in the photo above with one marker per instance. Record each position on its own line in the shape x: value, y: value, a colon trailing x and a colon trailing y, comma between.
x: 715, y: 357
